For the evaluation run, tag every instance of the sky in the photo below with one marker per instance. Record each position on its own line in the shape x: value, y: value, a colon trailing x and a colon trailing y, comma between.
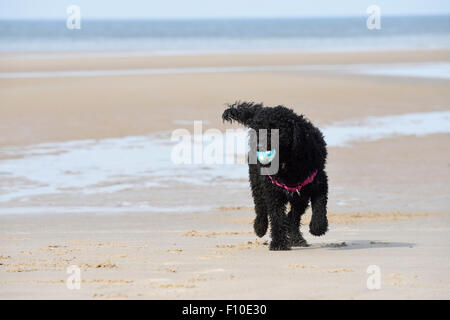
x: 192, y: 9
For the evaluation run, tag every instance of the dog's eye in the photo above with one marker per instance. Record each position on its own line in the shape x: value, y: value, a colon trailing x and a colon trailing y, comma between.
x: 265, y: 157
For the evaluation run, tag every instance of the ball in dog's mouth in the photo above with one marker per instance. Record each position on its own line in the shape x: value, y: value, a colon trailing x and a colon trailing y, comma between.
x: 266, y: 157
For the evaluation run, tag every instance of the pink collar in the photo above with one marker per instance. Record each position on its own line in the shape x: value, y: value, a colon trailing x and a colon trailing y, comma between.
x: 297, y: 187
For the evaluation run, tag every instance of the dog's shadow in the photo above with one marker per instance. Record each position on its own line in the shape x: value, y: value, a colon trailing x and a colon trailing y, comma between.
x: 356, y: 245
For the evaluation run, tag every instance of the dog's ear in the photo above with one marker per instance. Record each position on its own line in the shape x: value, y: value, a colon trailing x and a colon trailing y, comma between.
x: 241, y: 112
x: 308, y: 144
x: 297, y: 135
x: 301, y: 143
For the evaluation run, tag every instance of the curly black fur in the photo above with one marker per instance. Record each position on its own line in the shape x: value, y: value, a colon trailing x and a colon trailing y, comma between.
x: 302, y: 150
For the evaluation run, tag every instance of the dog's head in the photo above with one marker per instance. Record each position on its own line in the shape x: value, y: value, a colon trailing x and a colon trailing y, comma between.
x: 300, y: 146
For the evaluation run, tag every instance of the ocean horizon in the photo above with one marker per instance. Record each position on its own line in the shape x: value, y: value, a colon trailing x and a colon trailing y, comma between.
x: 225, y: 35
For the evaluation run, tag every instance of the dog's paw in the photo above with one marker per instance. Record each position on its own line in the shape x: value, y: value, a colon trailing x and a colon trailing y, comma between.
x: 318, y: 227
x: 260, y: 225
x: 279, y: 246
x: 297, y: 240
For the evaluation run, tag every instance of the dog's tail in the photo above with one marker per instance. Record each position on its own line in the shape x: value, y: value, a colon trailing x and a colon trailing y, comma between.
x: 242, y: 112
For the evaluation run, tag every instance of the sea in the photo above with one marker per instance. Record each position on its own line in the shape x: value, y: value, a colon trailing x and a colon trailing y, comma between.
x: 225, y: 35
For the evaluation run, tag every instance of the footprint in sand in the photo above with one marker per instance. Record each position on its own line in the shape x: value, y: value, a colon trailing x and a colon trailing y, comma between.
x: 301, y: 266
x: 340, y: 270
x: 194, y: 233
x: 109, y: 296
x: 107, y: 265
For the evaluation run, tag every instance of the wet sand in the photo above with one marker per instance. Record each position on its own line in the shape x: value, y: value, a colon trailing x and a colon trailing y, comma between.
x: 388, y: 198
x: 60, y: 109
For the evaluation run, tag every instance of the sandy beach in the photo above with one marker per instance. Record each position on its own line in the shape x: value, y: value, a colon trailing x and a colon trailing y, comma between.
x: 388, y: 204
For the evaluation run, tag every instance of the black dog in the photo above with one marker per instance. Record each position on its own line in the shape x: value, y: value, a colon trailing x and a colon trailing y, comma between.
x: 300, y: 178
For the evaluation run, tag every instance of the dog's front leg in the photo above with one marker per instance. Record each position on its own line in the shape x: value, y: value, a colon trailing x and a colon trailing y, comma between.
x: 261, y: 221
x: 319, y: 197
x: 298, y: 207
x: 276, y: 205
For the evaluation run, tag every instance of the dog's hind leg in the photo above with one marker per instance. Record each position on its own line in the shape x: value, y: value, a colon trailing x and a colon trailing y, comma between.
x: 298, y: 207
x: 319, y: 197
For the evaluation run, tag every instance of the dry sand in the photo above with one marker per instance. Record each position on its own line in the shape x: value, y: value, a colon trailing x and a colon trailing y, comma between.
x: 389, y: 202
x: 215, y: 256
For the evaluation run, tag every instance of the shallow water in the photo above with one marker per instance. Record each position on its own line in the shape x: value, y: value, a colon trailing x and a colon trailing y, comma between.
x: 143, y: 163
x: 439, y: 70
